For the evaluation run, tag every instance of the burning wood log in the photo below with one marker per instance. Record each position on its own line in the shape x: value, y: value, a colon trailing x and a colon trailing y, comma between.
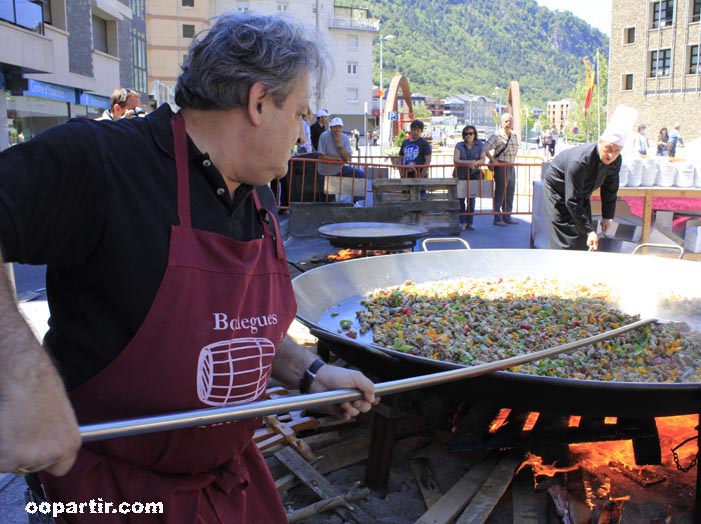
x: 643, y: 476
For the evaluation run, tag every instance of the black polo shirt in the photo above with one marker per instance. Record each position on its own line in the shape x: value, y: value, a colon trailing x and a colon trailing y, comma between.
x: 95, y: 201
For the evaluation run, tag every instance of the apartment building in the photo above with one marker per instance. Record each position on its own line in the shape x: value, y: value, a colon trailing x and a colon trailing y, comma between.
x: 558, y: 113
x: 63, y: 58
x: 346, y: 32
x: 654, y: 64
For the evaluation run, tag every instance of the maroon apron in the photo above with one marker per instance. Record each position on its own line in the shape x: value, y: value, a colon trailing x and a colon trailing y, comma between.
x: 209, y: 339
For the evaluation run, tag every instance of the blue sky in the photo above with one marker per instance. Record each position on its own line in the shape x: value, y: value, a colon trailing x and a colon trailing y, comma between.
x: 596, y: 12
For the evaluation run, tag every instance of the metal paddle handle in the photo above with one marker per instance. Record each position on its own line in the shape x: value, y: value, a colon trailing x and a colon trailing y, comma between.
x: 208, y: 416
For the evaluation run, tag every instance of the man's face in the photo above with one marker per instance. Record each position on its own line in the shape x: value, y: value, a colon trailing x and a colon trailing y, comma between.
x: 608, y: 152
x: 415, y: 132
x: 283, y: 126
x: 127, y: 110
x: 323, y: 120
x: 507, y: 123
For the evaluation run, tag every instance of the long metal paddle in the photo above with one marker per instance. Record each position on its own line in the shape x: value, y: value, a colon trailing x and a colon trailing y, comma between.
x: 208, y: 416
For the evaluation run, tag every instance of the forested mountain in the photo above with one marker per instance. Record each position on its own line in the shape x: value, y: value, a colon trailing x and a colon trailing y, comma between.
x: 470, y: 46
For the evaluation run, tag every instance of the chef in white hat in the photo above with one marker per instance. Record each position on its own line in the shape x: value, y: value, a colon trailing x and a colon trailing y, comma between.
x: 575, y: 174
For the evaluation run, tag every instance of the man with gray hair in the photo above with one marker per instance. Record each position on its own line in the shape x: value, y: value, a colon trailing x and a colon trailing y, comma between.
x: 168, y: 287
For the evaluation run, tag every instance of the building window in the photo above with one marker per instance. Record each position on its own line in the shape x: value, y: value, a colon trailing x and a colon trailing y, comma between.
x: 99, y: 34
x: 352, y: 96
x: 242, y: 7
x: 283, y: 6
x: 188, y: 31
x: 694, y: 60
x: 629, y: 35
x: 696, y: 11
x: 662, y: 13
x: 187, y: 3
x: 660, y: 62
x: 628, y: 82
x: 352, y: 69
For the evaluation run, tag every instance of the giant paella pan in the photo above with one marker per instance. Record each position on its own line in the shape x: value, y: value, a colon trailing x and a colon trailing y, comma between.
x: 640, y: 285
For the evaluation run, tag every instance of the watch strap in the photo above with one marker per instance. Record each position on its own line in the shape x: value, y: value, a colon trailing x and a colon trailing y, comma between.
x: 309, y: 375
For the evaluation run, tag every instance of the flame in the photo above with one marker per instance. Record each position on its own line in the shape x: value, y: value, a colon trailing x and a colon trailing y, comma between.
x: 346, y: 254
x: 350, y: 254
x: 499, y: 420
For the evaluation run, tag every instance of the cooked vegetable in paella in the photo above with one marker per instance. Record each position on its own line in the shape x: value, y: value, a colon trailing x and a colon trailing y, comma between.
x: 472, y: 321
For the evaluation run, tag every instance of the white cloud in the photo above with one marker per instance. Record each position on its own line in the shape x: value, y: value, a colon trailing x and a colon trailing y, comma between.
x: 596, y: 13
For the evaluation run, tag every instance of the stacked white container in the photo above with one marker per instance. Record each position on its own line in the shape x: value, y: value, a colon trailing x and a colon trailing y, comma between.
x: 649, y: 172
x: 667, y: 174
x: 685, y: 175
x: 635, y: 172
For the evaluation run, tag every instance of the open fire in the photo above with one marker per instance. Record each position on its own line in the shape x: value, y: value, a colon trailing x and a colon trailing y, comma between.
x: 603, y: 478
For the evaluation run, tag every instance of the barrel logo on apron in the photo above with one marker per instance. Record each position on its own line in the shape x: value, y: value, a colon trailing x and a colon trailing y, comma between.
x: 234, y: 371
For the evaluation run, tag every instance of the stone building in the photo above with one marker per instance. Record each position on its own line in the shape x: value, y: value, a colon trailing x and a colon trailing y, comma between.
x: 654, y: 64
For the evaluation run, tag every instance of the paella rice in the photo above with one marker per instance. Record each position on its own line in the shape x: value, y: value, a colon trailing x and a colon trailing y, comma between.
x: 473, y: 321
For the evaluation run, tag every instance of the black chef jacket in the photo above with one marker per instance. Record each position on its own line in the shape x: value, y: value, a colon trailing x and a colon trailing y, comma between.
x: 568, y: 184
x: 94, y: 201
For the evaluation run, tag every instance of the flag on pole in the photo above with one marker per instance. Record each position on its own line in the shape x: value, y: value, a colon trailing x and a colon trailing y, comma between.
x: 590, y: 81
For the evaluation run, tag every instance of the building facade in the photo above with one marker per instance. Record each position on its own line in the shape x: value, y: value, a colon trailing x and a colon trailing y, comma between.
x: 346, y: 32
x: 558, y: 113
x: 654, y: 64
x: 63, y: 58
x: 471, y: 109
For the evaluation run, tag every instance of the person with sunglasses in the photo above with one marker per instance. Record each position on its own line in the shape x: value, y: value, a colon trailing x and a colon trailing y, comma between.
x: 168, y: 286
x: 124, y: 103
x: 467, y: 157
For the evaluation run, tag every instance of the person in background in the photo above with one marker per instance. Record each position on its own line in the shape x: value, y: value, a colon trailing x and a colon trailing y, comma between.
x: 553, y: 142
x: 304, y: 142
x: 572, y: 177
x: 675, y: 137
x: 663, y: 142
x: 124, y: 103
x: 335, y: 149
x: 501, y: 148
x: 415, y: 152
x: 318, y: 127
x: 547, y: 140
x: 642, y: 144
x: 210, y: 289
x: 468, y: 156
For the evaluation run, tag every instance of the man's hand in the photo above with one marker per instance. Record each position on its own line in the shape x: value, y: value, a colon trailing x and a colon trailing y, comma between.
x: 333, y: 377
x: 606, y: 225
x: 38, y: 429
x: 593, y: 241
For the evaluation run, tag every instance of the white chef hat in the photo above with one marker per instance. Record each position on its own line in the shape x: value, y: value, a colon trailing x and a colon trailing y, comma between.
x: 620, y: 125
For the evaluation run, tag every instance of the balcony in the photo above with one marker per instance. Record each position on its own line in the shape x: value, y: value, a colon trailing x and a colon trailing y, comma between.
x: 357, y: 24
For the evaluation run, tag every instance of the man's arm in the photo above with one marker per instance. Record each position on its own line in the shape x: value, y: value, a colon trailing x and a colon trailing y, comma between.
x: 291, y: 361
x: 38, y: 428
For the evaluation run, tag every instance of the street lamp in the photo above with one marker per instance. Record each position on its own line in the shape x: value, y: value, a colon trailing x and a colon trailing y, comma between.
x: 382, y: 97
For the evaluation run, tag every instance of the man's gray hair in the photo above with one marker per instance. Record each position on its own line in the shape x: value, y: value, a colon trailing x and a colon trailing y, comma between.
x: 241, y: 49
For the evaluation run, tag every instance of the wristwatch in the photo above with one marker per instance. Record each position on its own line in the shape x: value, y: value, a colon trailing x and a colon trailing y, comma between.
x: 309, y: 375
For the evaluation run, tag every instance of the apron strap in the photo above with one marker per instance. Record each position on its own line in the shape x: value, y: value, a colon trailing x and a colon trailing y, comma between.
x: 177, y: 124
x: 267, y: 218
